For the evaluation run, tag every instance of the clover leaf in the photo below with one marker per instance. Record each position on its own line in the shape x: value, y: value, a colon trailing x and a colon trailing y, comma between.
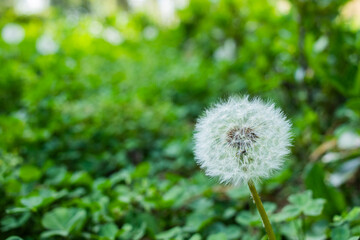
x: 63, y: 221
x: 301, y: 203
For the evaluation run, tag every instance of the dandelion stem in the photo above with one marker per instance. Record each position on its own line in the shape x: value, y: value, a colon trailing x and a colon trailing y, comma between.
x: 262, y: 211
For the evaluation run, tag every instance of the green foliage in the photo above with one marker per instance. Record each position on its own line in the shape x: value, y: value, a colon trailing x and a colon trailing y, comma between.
x: 301, y: 203
x: 14, y: 238
x: 96, y: 138
x: 63, y: 221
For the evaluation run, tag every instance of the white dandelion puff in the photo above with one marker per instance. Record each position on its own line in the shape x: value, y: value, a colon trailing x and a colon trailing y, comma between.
x: 13, y: 33
x: 113, y: 36
x: 46, y: 45
x: 242, y: 140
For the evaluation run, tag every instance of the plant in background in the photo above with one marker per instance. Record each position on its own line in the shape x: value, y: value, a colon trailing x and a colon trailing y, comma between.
x: 242, y: 141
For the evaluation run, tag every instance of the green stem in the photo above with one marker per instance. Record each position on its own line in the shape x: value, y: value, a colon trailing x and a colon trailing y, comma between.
x: 297, y: 226
x: 303, y: 231
x: 262, y: 211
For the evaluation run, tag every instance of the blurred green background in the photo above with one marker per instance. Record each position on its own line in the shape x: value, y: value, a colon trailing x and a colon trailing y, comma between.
x: 98, y: 101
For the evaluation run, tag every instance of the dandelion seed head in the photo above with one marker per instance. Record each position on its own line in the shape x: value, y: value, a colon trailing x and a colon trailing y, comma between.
x: 242, y: 139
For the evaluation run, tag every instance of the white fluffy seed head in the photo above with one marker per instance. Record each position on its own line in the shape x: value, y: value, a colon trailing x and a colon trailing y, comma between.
x: 240, y: 139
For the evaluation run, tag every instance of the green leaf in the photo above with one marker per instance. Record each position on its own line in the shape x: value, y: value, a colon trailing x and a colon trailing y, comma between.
x: 239, y: 192
x: 197, y: 220
x: 300, y: 199
x: 51, y: 233
x: 151, y: 222
x: 109, y: 230
x: 354, y: 214
x: 32, y: 202
x: 56, y: 175
x: 300, y: 203
x: 50, y: 196
x: 340, y: 233
x: 356, y: 230
x: 63, y: 221
x: 229, y: 213
x: 12, y: 222
x: 173, y: 194
x: 288, y: 212
x: 17, y: 210
x: 141, y: 170
x: 289, y: 229
x: 317, y: 230
x: 195, y: 237
x: 232, y: 232
x: 14, y: 238
x: 315, y: 181
x: 139, y: 232
x: 80, y: 177
x: 29, y: 173
x: 134, y: 233
x: 217, y: 236
x: 102, y: 184
x: 169, y: 234
x: 246, y: 218
x: 12, y: 186
x: 314, y: 208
